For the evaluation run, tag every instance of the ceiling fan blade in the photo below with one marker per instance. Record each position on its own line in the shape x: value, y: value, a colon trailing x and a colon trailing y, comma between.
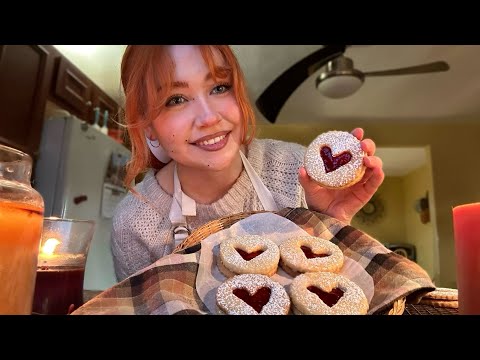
x: 420, y: 69
x: 276, y: 94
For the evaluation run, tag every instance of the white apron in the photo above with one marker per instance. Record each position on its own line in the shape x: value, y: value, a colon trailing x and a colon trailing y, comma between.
x: 183, y: 206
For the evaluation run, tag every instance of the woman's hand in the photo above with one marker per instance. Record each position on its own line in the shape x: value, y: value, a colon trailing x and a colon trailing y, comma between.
x: 343, y: 204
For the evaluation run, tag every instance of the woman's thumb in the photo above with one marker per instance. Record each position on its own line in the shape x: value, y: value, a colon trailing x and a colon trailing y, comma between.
x: 303, y: 178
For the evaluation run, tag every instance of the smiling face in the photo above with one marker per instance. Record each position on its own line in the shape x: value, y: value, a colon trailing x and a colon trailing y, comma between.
x: 200, y: 123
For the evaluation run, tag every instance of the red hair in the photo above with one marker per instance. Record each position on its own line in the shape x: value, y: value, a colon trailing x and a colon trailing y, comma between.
x: 147, y: 73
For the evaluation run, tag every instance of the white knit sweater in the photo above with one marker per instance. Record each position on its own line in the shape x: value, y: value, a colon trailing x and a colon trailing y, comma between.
x: 142, y: 232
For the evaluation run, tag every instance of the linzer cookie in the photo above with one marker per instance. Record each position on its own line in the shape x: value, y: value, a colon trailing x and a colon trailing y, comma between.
x: 249, y: 254
x: 335, y: 159
x: 309, y: 254
x: 252, y: 294
x: 325, y: 293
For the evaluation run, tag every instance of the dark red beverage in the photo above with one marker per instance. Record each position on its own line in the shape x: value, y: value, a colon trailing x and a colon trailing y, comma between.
x: 57, y: 288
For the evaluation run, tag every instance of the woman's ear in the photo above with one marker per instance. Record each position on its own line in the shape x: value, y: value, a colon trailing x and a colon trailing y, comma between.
x: 150, y: 134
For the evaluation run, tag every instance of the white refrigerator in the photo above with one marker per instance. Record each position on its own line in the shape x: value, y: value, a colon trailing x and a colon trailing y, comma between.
x: 79, y: 173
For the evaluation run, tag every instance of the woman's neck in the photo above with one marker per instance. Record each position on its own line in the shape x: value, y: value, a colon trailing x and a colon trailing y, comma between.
x: 204, y: 186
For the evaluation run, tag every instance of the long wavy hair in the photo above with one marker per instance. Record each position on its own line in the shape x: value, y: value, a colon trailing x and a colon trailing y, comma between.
x: 147, y: 74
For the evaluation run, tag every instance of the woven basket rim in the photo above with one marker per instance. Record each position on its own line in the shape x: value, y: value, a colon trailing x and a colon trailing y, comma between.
x: 225, y: 222
x: 212, y: 227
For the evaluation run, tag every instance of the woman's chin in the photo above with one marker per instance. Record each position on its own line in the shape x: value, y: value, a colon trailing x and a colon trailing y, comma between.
x: 222, y: 162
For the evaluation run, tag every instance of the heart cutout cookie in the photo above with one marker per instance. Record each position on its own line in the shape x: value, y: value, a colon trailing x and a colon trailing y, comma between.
x: 257, y: 300
x: 329, y: 298
x: 248, y: 256
x: 331, y: 162
x: 335, y: 160
x: 269, y: 297
x: 309, y: 254
x: 326, y: 293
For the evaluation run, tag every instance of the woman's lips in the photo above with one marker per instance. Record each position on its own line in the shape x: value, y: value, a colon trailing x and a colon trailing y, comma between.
x: 219, y: 144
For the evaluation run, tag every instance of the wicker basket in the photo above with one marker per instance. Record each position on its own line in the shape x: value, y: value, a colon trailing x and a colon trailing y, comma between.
x: 225, y: 222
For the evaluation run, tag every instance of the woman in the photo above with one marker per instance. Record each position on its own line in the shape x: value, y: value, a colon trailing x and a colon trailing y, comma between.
x: 188, y: 103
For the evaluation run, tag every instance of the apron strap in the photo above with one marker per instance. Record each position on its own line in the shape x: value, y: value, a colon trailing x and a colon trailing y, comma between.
x: 265, y: 196
x: 182, y: 206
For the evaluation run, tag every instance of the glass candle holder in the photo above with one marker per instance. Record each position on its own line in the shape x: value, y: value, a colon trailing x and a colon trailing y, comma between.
x: 61, y: 265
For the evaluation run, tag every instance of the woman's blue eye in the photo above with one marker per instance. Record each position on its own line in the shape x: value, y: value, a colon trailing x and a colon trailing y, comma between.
x: 176, y: 100
x: 220, y: 89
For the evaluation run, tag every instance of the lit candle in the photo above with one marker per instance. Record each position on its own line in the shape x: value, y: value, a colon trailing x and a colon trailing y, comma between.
x: 466, y: 226
x: 48, y: 257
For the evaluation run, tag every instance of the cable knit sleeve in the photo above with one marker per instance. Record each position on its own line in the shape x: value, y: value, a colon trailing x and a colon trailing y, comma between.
x: 130, y: 250
x: 141, y: 228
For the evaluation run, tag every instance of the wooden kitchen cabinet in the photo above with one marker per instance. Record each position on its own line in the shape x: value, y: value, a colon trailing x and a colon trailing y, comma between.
x: 25, y: 77
x: 75, y: 92
x: 72, y: 89
x: 104, y: 102
x: 31, y: 74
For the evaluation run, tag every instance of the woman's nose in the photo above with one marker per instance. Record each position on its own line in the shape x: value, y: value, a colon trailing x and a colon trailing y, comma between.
x: 206, y: 113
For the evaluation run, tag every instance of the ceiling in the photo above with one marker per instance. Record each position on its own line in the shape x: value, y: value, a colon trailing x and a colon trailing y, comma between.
x: 424, y: 97
x: 447, y: 96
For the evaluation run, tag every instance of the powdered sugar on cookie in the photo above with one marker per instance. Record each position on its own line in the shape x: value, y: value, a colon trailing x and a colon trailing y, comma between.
x: 335, y: 159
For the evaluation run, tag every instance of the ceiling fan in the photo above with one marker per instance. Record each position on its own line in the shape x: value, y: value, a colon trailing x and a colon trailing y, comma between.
x: 338, y: 79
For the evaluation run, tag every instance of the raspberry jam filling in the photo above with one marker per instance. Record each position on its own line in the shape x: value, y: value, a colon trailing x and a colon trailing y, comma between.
x: 309, y: 254
x: 257, y: 300
x: 249, y: 256
x: 331, y: 162
x: 330, y: 298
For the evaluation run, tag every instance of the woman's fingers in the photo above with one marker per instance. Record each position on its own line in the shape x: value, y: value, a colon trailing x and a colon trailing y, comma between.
x: 373, y: 180
x: 358, y: 133
x: 373, y: 162
x: 374, y: 174
x: 368, y: 146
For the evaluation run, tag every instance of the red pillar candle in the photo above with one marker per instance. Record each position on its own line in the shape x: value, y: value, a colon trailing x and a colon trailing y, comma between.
x: 466, y: 227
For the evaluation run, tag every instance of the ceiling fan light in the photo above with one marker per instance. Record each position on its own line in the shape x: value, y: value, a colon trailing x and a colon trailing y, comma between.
x: 339, y: 86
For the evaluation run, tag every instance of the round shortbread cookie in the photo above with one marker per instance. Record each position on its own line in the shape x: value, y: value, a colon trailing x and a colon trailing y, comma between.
x: 440, y: 303
x: 334, y: 159
x: 442, y: 294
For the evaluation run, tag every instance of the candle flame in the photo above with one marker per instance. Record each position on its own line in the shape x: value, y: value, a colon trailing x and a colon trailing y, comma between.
x: 49, y: 246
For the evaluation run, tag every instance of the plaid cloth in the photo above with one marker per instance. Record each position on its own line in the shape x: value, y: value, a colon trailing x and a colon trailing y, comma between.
x: 167, y: 286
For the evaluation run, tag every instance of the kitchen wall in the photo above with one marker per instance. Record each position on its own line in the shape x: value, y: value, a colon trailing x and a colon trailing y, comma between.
x: 453, y: 145
x: 415, y: 186
x: 387, y: 224
x: 399, y: 222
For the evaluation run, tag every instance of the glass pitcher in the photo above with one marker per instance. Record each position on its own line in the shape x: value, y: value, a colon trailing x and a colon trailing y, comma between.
x: 21, y: 223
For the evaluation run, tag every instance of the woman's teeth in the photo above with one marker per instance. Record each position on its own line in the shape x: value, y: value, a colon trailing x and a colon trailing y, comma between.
x: 212, y: 141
